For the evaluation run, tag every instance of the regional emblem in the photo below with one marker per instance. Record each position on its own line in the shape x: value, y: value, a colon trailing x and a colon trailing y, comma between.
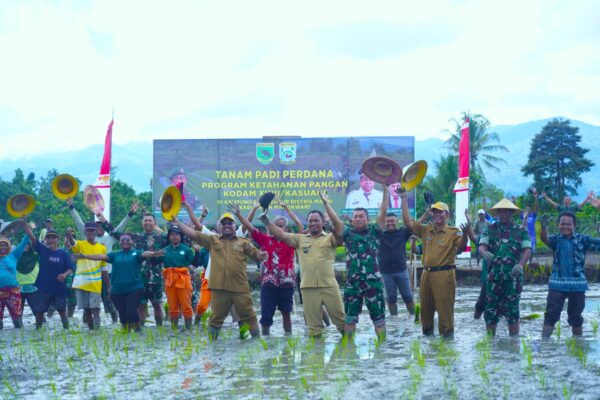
x: 287, y: 152
x: 265, y: 152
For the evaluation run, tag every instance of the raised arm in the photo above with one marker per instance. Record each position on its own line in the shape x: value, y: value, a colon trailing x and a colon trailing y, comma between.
x: 384, y: 207
x: 544, y: 221
x: 29, y: 232
x: 132, y: 210
x: 408, y: 222
x: 187, y: 231
x: 76, y: 217
x: 277, y: 232
x: 197, y: 223
x: 536, y: 203
x: 594, y: 201
x: 202, y: 215
x: 549, y: 200
x: 338, y: 225
x: 235, y: 209
x: 94, y: 257
x: 588, y: 197
x: 291, y: 214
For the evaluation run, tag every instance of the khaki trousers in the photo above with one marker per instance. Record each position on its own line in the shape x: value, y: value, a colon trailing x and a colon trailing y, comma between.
x: 221, y: 301
x: 437, y: 294
x: 314, y: 299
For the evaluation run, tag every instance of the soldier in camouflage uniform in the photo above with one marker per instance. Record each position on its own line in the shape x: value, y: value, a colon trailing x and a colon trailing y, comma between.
x: 363, y: 279
x: 506, y: 247
x: 153, y: 240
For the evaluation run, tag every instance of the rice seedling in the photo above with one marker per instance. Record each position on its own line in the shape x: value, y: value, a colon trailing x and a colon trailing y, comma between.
x: 557, y: 330
x: 417, y: 354
x: 527, y: 353
x: 567, y: 391
x: 595, y: 328
x: 542, y: 377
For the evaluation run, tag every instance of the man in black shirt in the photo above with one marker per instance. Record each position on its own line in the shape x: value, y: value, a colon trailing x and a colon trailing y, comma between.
x: 392, y: 264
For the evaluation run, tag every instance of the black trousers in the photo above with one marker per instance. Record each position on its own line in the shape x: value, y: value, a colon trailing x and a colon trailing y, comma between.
x: 127, y: 305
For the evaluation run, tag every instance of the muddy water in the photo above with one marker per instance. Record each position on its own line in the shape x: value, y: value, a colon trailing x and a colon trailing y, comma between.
x: 161, y: 363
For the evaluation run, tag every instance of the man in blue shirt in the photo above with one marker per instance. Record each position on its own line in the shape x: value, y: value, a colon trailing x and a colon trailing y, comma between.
x: 567, y: 280
x: 55, y: 266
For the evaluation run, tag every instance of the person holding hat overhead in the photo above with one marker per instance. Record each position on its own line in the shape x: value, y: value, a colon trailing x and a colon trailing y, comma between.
x: 177, y: 259
x: 10, y: 293
x: 277, y: 272
x: 505, y: 247
x: 228, y: 280
x: 316, y: 253
x: 441, y: 243
x: 90, y: 275
x: 55, y: 266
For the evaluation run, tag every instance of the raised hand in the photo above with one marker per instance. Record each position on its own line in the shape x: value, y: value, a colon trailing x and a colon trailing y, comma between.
x: 134, y: 207
x: 264, y: 218
x: 545, y: 221
x: 204, y: 211
x: 323, y: 195
x: 234, y: 208
x: 467, y: 216
x: 262, y: 256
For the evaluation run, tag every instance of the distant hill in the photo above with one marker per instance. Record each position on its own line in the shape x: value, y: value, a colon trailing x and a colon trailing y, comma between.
x: 517, y: 138
x: 134, y: 160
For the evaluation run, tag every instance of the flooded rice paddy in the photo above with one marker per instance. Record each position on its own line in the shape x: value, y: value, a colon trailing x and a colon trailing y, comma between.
x: 161, y: 363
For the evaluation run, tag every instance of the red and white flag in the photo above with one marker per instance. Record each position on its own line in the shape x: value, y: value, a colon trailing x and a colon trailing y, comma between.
x: 103, y: 181
x: 462, y: 183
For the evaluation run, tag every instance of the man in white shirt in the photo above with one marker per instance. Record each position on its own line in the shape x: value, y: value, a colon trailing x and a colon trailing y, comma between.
x: 366, y: 196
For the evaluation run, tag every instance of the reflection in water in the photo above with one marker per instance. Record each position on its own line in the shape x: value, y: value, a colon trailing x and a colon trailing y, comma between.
x: 171, y: 364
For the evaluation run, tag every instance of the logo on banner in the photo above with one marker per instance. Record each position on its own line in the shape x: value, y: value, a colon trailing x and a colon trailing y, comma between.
x: 462, y: 184
x: 265, y: 152
x: 287, y: 152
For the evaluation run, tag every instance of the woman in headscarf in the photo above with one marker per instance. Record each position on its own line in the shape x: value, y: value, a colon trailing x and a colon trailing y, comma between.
x: 10, y: 293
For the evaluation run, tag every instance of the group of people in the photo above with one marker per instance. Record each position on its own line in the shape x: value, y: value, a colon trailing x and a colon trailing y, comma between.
x: 154, y: 262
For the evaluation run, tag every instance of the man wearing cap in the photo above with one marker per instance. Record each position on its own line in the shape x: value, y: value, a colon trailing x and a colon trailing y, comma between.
x: 55, y: 267
x: 316, y: 254
x: 90, y: 275
x: 48, y: 224
x: 366, y: 197
x: 438, y: 281
x: 505, y: 246
x: 277, y: 272
x: 228, y: 280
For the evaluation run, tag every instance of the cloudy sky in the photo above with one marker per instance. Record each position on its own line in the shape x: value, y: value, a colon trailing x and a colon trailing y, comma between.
x: 198, y: 69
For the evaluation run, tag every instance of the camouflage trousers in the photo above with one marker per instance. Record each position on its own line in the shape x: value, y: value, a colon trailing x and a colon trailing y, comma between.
x: 503, y: 294
x: 372, y: 291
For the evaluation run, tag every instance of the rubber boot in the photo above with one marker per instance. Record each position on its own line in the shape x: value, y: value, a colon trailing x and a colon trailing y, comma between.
x: 577, y: 330
x: 65, y: 322
x: 513, y: 329
x: 287, y: 323
x: 547, y: 331
x: 213, y: 333
x: 96, y: 322
x: 326, y: 319
x: 188, y: 323
x: 266, y: 330
x: 393, y: 307
x: 18, y: 322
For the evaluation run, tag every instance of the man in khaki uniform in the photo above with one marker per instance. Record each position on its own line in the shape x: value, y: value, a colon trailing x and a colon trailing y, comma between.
x: 438, y: 282
x: 316, y: 253
x: 228, y: 280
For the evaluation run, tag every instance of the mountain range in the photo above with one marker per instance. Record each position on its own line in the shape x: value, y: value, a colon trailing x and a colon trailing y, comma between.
x: 133, y: 161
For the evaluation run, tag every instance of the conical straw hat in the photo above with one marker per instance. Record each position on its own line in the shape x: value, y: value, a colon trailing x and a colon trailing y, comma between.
x: 505, y: 204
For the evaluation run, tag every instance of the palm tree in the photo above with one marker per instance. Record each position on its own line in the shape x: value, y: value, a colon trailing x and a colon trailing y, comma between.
x: 481, y: 143
x: 442, y: 183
